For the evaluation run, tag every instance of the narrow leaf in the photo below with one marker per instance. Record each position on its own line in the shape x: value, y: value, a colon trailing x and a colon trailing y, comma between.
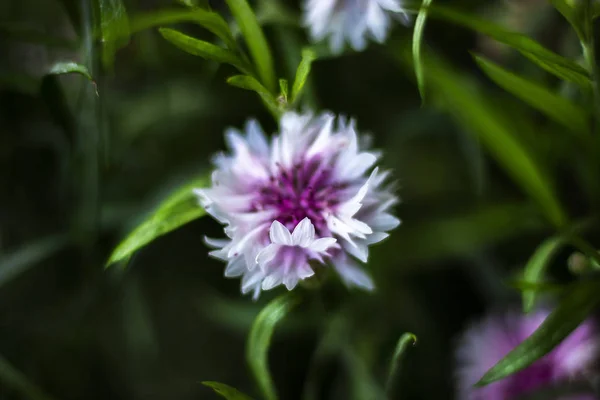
x: 226, y: 391
x: 207, y: 19
x: 257, y: 43
x: 416, y: 46
x: 176, y: 210
x: 572, y: 310
x: 284, y: 89
x: 203, y: 49
x: 259, y: 341
x: 406, y: 340
x: 472, y: 109
x: 560, y: 66
x: 69, y: 68
x: 552, y: 105
x: 308, y: 56
x: 114, y: 29
x: 249, y: 83
x: 537, y: 265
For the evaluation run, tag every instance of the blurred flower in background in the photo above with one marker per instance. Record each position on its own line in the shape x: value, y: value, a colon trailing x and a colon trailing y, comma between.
x: 350, y: 20
x: 306, y: 196
x: 489, y: 340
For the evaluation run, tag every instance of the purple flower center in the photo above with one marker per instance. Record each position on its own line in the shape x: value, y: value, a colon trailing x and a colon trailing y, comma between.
x: 535, y: 377
x: 305, y: 190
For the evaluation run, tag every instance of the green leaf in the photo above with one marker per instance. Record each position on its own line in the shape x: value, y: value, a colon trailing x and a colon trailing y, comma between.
x: 308, y: 56
x: 417, y: 44
x: 569, y: 12
x: 537, y: 265
x: 473, y: 109
x: 207, y: 19
x: 16, y: 263
x: 572, y: 310
x: 250, y: 83
x: 257, y: 43
x: 176, y: 210
x: 406, y: 340
x: 552, y: 105
x: 560, y: 66
x: 114, y: 29
x: 68, y: 68
x: 226, y: 391
x: 259, y: 340
x: 204, y: 49
x: 284, y: 89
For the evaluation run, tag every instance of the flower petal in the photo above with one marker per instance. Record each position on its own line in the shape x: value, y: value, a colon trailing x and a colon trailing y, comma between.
x: 279, y: 234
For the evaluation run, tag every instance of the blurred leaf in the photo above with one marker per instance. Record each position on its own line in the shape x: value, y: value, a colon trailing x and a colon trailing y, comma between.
x: 560, y: 66
x: 203, y: 49
x: 473, y: 109
x: 416, y: 45
x: 226, y: 391
x: 552, y: 105
x: 14, y: 264
x: 274, y: 12
x: 21, y: 33
x: 308, y: 56
x: 408, y: 339
x: 18, y: 382
x: 573, y: 309
x: 257, y: 43
x: 259, y: 340
x: 114, y: 28
x: 207, y: 19
x: 536, y: 266
x: 249, y: 83
x: 176, y: 210
x: 568, y: 11
x: 68, y: 68
x: 537, y: 287
x: 284, y: 89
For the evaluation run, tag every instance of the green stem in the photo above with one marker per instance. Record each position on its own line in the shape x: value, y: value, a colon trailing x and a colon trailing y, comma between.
x: 589, y: 55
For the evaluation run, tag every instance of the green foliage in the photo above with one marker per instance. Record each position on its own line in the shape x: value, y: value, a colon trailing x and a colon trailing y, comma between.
x: 69, y: 68
x: 472, y: 109
x: 417, y: 44
x: 259, y: 340
x: 552, y: 105
x: 207, y: 19
x: 114, y: 29
x: 176, y: 210
x: 250, y: 83
x: 204, y: 49
x: 257, y: 43
x: 540, y: 55
x: 308, y: 56
x: 226, y: 391
x: 573, y: 309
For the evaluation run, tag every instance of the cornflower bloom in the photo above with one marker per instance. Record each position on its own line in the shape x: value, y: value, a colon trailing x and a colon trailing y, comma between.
x: 301, y: 200
x: 353, y: 21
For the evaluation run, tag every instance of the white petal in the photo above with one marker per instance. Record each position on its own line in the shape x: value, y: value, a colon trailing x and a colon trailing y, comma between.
x: 271, y: 281
x: 267, y: 254
x: 256, y: 138
x: 216, y: 243
x: 323, y: 244
x: 385, y: 222
x: 353, y: 275
x: 304, y: 271
x: 280, y: 234
x: 290, y: 281
x: 304, y: 233
x: 251, y: 279
x: 360, y: 251
x: 377, y: 237
x: 236, y: 267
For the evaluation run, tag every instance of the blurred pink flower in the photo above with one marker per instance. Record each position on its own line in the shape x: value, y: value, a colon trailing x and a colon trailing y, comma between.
x: 305, y: 197
x: 488, y: 341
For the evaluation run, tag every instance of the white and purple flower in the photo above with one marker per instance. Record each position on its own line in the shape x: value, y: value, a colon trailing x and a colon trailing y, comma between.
x: 487, y: 342
x: 302, y: 199
x: 352, y: 21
